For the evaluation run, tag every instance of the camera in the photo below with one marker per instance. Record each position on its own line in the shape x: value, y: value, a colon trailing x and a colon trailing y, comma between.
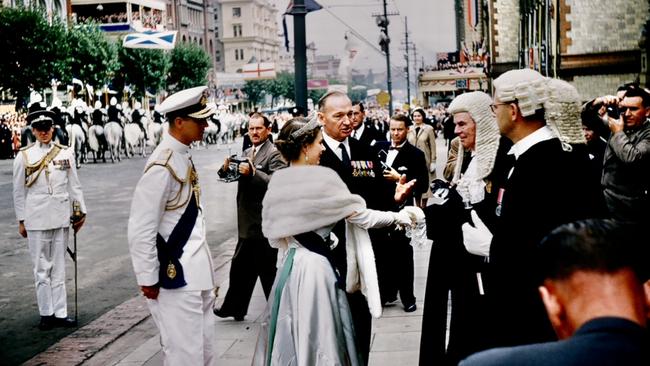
x: 232, y: 174
x: 613, y: 112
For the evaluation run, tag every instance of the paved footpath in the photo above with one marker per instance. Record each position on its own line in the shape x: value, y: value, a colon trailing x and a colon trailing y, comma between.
x: 127, y: 336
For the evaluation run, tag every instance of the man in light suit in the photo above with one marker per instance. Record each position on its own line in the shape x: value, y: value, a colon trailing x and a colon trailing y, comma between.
x: 253, y: 256
x: 166, y: 235
x: 593, y: 291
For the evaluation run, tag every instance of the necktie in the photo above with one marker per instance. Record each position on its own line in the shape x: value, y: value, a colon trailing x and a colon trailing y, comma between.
x: 345, y: 158
x: 253, y: 151
x: 394, y: 148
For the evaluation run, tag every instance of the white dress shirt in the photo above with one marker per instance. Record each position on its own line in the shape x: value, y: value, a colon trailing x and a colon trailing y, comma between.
x: 334, y: 145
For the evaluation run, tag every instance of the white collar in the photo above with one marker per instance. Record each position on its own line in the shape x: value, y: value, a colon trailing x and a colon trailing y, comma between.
x: 334, y: 145
x: 175, y: 145
x: 44, y: 146
x: 542, y: 134
x: 398, y: 146
x: 359, y: 131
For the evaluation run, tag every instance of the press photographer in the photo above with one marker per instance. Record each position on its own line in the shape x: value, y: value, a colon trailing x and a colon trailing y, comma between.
x: 253, y: 256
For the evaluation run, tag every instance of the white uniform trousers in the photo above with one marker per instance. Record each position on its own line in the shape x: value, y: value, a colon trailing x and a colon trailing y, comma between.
x: 47, y: 249
x: 187, y: 326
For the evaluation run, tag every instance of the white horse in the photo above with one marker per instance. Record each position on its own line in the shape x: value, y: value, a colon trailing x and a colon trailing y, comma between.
x: 113, y: 133
x: 210, y: 134
x: 97, y: 142
x: 155, y: 131
x: 77, y: 143
x: 134, y: 137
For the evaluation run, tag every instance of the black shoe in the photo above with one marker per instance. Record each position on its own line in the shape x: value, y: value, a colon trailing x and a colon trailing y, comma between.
x: 47, y: 322
x: 410, y: 308
x: 222, y: 314
x: 64, y: 322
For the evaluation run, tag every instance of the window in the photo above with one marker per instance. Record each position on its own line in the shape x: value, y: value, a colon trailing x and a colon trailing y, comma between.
x: 236, y: 12
x: 217, y: 56
x: 236, y: 55
x: 236, y: 30
x: 241, y: 54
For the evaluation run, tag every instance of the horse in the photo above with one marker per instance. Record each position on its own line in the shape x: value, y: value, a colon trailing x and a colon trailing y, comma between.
x: 97, y: 142
x: 211, y: 134
x: 113, y: 135
x: 77, y: 143
x: 155, y: 131
x: 134, y: 136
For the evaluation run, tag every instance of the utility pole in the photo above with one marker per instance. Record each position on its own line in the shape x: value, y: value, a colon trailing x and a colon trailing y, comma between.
x: 300, y: 52
x: 384, y: 43
x: 408, y: 67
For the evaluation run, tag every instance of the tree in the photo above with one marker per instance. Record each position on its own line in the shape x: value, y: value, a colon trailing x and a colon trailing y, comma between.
x: 255, y: 90
x: 33, y: 51
x: 189, y: 67
x: 93, y: 58
x: 142, y: 69
x: 357, y: 93
x: 281, y: 86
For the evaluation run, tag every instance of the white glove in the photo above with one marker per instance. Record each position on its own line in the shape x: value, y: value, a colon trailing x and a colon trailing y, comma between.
x: 403, y: 218
x: 477, y: 238
x: 432, y: 167
x: 440, y: 196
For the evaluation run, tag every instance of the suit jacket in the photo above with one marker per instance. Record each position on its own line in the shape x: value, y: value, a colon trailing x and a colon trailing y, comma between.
x: 370, y: 134
x: 606, y: 341
x: 251, y: 190
x: 410, y: 161
x: 548, y: 187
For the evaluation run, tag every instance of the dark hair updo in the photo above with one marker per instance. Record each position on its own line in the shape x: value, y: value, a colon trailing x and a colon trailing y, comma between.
x: 289, y: 146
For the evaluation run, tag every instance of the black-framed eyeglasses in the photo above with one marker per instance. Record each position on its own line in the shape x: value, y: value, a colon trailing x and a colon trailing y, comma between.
x: 493, y: 106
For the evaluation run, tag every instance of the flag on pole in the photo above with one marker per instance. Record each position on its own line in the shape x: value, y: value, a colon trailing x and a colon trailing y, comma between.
x: 151, y: 39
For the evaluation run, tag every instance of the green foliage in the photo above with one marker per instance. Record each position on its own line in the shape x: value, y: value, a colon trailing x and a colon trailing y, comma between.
x: 316, y: 94
x: 189, y: 67
x: 358, y: 94
x: 33, y: 51
x: 142, y: 69
x: 93, y: 58
x: 255, y: 90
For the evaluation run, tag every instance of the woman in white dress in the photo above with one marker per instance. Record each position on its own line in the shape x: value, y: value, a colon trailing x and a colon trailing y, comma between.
x: 308, y: 319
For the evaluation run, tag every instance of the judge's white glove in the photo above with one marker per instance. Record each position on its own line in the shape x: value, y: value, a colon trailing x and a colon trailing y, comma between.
x: 432, y: 167
x: 477, y: 238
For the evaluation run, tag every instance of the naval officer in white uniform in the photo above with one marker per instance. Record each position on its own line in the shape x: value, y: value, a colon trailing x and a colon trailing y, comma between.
x: 166, y: 234
x: 45, y: 189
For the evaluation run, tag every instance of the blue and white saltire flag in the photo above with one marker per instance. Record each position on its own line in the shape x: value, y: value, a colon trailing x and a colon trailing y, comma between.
x: 151, y: 39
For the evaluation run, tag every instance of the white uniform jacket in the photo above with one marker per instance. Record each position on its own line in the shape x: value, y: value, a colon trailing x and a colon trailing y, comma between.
x: 47, y: 203
x: 161, y: 197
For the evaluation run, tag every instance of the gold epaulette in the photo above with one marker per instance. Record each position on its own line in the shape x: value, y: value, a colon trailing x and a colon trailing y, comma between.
x: 27, y: 147
x: 166, y: 155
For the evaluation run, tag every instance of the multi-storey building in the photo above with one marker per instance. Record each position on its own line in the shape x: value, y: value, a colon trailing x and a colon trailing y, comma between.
x: 54, y: 8
x: 249, y: 31
x: 596, y: 45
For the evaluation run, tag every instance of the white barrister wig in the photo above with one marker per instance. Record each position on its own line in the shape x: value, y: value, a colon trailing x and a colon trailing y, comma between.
x: 477, y: 104
x: 563, y: 113
x: 527, y: 87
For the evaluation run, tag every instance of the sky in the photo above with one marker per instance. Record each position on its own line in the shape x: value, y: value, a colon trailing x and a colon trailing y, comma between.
x: 431, y: 26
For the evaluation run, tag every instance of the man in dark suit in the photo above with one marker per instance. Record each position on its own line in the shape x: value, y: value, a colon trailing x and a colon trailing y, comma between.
x: 394, y: 253
x: 593, y: 292
x: 361, y: 171
x: 363, y: 130
x: 253, y: 256
x: 547, y: 186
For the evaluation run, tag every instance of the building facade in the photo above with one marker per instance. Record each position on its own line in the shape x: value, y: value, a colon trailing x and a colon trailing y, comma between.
x: 249, y: 32
x: 595, y: 45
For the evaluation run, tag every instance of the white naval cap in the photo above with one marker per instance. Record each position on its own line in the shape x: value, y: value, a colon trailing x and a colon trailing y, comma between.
x: 191, y: 102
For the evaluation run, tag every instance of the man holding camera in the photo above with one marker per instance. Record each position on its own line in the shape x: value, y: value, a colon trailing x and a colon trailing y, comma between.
x: 625, y: 178
x: 253, y: 256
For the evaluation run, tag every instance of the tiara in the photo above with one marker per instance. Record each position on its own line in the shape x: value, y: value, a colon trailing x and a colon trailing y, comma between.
x: 310, y: 126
